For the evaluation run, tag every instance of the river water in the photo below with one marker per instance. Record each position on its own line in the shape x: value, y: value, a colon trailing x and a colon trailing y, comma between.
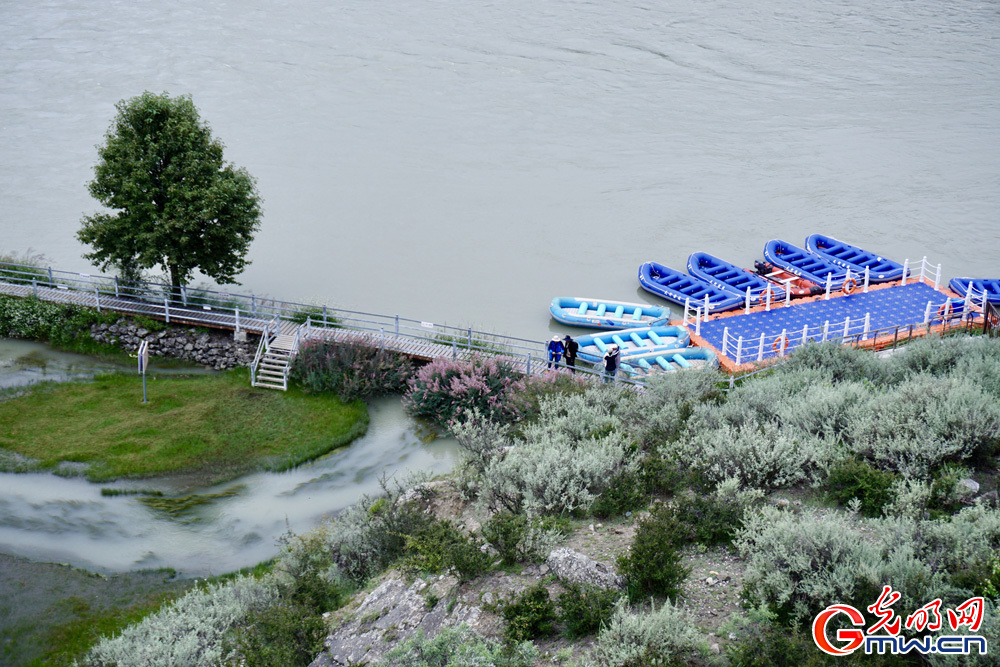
x: 463, y: 164
x: 68, y: 520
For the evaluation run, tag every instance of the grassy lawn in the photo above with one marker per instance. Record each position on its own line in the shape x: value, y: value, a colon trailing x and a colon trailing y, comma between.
x: 214, y: 425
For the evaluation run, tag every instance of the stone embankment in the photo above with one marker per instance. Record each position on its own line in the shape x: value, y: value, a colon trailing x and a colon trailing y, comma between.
x: 216, y: 350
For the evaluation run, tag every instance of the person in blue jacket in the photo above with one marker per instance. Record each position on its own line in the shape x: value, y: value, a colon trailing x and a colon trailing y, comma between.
x: 555, y: 351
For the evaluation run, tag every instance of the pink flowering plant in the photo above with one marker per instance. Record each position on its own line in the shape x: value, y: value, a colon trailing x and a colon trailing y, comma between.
x: 444, y: 389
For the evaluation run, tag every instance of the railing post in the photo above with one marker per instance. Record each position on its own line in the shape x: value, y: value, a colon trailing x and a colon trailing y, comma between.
x: 237, y: 319
x: 454, y: 349
x: 166, y: 308
x: 97, y: 299
x: 895, y: 338
x: 760, y: 350
x: 788, y: 292
x: 923, y: 267
x: 927, y: 313
x: 470, y: 339
x: 847, y: 327
x: 829, y: 284
x: 324, y: 317
x: 739, y: 351
x: 51, y: 282
x: 725, y: 339
x: 864, y: 335
x: 906, y: 269
x: 34, y: 287
x: 784, y: 341
x: 866, y: 279
x: 527, y: 364
x: 937, y: 277
x: 826, y: 329
x: 705, y: 314
x: 768, y: 307
x: 697, y: 323
x: 184, y: 295
x: 253, y: 305
x: 746, y: 309
x: 805, y: 333
x: 397, y: 326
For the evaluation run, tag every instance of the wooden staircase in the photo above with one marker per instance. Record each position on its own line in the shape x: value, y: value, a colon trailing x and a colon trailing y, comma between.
x: 274, y: 360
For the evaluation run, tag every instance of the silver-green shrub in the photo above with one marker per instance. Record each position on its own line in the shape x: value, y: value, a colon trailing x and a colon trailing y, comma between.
x: 189, y: 632
x: 923, y: 422
x: 663, y: 635
x: 800, y: 564
x: 559, y: 463
x: 759, y: 455
x: 660, y: 413
x: 458, y: 647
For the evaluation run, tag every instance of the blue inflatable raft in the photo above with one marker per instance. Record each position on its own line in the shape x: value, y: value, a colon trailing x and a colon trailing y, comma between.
x: 671, y: 360
x: 632, y: 342
x: 676, y: 286
x: 803, y: 263
x: 601, y: 314
x: 989, y: 286
x: 856, y: 259
x: 732, y: 278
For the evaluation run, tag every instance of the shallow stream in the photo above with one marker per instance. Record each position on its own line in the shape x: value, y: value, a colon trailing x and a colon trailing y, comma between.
x: 206, y: 530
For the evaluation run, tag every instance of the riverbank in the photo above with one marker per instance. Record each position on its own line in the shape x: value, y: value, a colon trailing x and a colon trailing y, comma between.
x: 212, y: 427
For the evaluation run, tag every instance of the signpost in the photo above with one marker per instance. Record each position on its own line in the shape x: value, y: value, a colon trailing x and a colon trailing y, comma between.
x: 143, y: 363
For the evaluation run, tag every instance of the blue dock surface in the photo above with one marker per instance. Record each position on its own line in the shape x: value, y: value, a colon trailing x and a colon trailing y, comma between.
x: 900, y: 305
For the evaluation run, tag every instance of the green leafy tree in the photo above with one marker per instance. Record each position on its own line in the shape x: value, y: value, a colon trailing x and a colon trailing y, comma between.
x: 173, y: 201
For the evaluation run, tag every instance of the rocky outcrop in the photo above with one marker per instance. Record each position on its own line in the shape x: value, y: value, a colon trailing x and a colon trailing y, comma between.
x: 216, y: 350
x: 390, y: 614
x: 575, y: 567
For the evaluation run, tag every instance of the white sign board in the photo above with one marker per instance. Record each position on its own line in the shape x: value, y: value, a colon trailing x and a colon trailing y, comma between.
x: 143, y: 356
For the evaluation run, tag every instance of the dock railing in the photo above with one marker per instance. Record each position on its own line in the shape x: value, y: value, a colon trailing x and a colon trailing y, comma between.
x: 268, y: 317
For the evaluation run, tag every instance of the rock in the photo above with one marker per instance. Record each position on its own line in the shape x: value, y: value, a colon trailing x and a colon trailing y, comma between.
x: 990, y: 498
x: 968, y: 485
x: 714, y: 648
x: 390, y: 614
x: 575, y: 567
x: 711, y: 581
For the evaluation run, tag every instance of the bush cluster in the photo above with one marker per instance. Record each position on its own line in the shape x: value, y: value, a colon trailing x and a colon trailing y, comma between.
x: 529, y: 615
x: 851, y: 479
x: 352, y: 370
x: 459, y: 647
x: 664, y: 637
x: 652, y: 566
x: 443, y: 390
x: 584, y: 609
x: 439, y: 545
x: 61, y: 324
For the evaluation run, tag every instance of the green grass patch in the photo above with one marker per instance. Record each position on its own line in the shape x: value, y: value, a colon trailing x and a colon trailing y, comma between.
x: 216, y: 426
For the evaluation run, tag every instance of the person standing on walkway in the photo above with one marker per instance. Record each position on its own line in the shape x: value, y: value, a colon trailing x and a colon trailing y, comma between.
x: 612, y: 359
x: 555, y: 351
x: 571, y: 348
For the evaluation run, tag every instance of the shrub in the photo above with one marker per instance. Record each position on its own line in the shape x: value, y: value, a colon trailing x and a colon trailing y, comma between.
x: 798, y: 565
x: 584, y: 609
x: 529, y: 615
x: 559, y: 464
x: 924, y: 422
x: 839, y: 363
x: 458, y: 647
x: 856, y: 479
x: 352, y: 370
x: 439, y: 545
x: 624, y: 492
x: 63, y: 325
x: 660, y: 414
x: 444, y: 389
x: 715, y: 519
x: 760, y: 455
x: 188, y: 633
x: 652, y: 565
x: 370, y: 535
x: 664, y: 636
x: 506, y: 532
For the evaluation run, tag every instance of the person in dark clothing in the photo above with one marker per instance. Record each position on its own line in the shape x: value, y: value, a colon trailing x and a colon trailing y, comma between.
x: 555, y: 350
x: 571, y: 347
x: 611, y: 362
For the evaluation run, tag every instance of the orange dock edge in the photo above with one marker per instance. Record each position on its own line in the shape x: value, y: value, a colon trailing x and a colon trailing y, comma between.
x: 880, y: 343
